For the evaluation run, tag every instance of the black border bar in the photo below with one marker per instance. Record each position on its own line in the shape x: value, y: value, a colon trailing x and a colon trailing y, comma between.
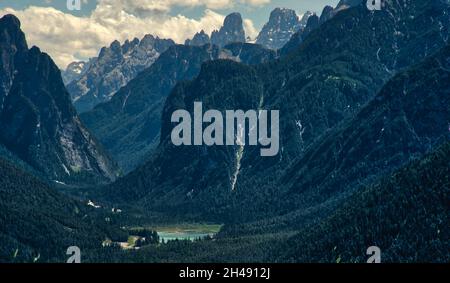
x: 284, y: 272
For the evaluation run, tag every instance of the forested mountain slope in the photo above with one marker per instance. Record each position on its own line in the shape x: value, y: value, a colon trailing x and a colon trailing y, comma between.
x: 406, y: 215
x: 335, y: 72
x: 39, y: 224
x: 37, y: 120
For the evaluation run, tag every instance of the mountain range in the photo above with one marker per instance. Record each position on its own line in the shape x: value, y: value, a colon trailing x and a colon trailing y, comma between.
x: 364, y: 127
x: 129, y: 125
x: 114, y: 67
x: 97, y: 81
x: 127, y: 136
x: 315, y: 91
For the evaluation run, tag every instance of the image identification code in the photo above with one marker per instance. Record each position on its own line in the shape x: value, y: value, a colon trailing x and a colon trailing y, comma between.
x: 236, y: 272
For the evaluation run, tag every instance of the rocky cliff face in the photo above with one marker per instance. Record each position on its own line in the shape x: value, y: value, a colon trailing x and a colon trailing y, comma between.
x: 13, y: 48
x: 115, y: 66
x: 304, y: 19
x: 38, y: 121
x: 283, y: 23
x: 232, y: 31
x: 327, y: 13
x: 74, y: 71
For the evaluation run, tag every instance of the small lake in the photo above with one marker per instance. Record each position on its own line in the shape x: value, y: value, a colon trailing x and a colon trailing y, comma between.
x: 190, y: 232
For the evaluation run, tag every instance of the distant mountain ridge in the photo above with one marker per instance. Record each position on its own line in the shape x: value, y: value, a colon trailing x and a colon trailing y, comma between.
x: 115, y: 66
x: 94, y: 82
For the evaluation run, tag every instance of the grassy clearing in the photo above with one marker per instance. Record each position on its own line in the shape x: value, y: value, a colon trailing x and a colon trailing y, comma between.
x: 183, y: 228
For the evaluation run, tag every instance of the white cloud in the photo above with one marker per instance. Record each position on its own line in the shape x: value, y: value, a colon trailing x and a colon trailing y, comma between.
x: 145, y: 6
x: 255, y: 2
x: 68, y: 38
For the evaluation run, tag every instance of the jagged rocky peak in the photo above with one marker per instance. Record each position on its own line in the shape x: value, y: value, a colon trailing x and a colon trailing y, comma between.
x: 159, y: 44
x: 74, y: 71
x: 12, y: 35
x: 282, y: 24
x: 199, y: 39
x: 115, y: 66
x: 283, y: 15
x: 113, y: 52
x: 231, y: 31
x: 304, y: 19
x: 41, y: 127
x: 233, y: 22
x: 13, y: 46
x: 115, y: 46
x: 313, y: 23
x: 148, y: 43
x: 129, y: 45
x: 327, y: 13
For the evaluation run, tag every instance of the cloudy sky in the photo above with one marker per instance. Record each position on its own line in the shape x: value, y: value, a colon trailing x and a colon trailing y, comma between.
x: 77, y: 35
